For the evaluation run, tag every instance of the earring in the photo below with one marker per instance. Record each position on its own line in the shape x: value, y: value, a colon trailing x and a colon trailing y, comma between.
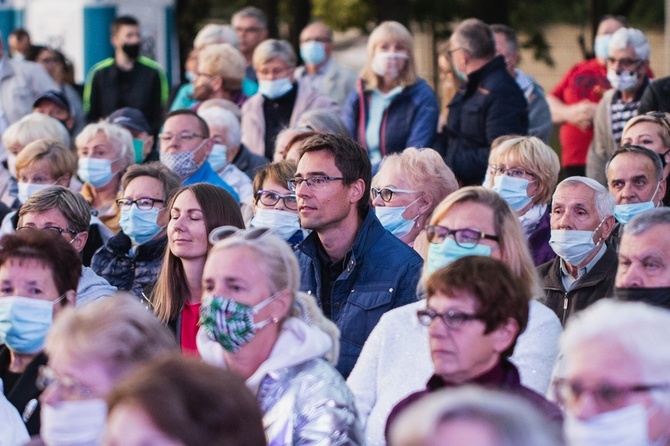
x: 275, y: 320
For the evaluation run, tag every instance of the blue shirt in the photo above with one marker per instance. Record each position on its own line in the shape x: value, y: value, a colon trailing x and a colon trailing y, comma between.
x: 207, y: 175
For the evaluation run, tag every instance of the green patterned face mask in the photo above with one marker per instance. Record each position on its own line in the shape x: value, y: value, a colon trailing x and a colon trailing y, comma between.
x: 231, y: 323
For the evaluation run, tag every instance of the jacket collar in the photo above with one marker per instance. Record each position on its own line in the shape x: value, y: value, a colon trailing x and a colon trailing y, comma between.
x: 474, y: 78
x: 603, y: 269
x: 121, y: 244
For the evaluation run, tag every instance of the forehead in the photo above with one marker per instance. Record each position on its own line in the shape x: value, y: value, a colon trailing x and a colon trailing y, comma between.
x: 318, y: 161
x: 54, y: 216
x: 631, y: 163
x: 644, y: 128
x: 145, y: 186
x: 49, y: 104
x: 246, y: 22
x: 315, y: 30
x: 601, y: 360
x: 128, y: 29
x: 180, y: 123
x: 226, y: 262
x: 469, y: 214
x: 623, y: 53
x: 271, y: 184
x: 608, y: 26
x: 186, y: 200
x: 655, y: 241
x: 390, y: 176
x: 457, y: 299
x: 27, y: 269
x: 572, y: 194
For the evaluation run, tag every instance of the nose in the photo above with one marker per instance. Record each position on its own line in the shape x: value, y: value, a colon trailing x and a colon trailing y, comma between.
x: 51, y: 395
x: 584, y: 406
x: 377, y: 201
x: 628, y: 193
x: 302, y: 190
x: 629, y: 278
x: 562, y: 222
x: 279, y: 205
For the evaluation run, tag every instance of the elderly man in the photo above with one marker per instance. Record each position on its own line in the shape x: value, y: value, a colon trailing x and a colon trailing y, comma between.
x: 60, y: 210
x: 539, y: 115
x: 220, y: 74
x: 615, y: 384
x: 356, y: 269
x: 573, y: 100
x: 628, y: 72
x: 581, y: 221
x: 644, y: 259
x: 490, y: 104
x: 251, y: 26
x: 326, y: 75
x: 185, y: 145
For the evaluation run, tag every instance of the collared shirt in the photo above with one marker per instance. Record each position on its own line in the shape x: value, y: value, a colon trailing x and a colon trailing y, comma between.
x: 316, y: 79
x: 566, y: 277
x: 205, y: 174
x: 623, y: 111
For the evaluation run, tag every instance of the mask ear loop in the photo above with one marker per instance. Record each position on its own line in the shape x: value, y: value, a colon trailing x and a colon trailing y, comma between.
x: 598, y: 227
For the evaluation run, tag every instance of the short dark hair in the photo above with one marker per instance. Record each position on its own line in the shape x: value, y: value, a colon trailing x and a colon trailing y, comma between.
x: 350, y: 158
x: 475, y: 37
x: 494, y: 287
x: 170, y: 180
x: 509, y: 33
x: 20, y: 34
x: 47, y: 248
x: 193, y: 402
x: 279, y: 172
x: 123, y: 20
x: 73, y: 206
x: 654, y: 157
x: 204, y: 129
x: 253, y: 12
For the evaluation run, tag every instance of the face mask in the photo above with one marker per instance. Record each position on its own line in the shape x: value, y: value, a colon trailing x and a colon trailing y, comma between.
x: 11, y: 164
x: 659, y: 297
x: 391, y: 218
x: 231, y: 323
x: 138, y: 148
x: 313, y: 52
x: 573, y: 246
x: 140, y: 225
x: 27, y: 189
x: 283, y: 223
x: 74, y: 423
x: 24, y: 322
x: 275, y: 88
x: 621, y: 427
x: 190, y: 76
x: 182, y: 163
x: 513, y: 190
x: 387, y: 64
x: 601, y: 46
x: 217, y: 159
x: 95, y: 171
x: 623, y: 81
x: 131, y: 50
x: 624, y: 212
x: 442, y: 254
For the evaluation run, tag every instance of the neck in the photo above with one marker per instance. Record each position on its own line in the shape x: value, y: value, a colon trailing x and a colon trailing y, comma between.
x: 338, y: 241
x: 19, y: 361
x: 251, y: 356
x: 311, y: 69
x: 574, y: 270
x: 232, y: 153
x: 628, y: 96
x: 105, y: 195
x: 388, y: 83
x: 475, y: 64
x: 193, y: 269
x: 123, y: 61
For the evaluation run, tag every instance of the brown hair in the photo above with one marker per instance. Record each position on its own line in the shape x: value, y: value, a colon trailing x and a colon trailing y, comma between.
x: 279, y: 172
x: 170, y: 180
x: 494, y: 287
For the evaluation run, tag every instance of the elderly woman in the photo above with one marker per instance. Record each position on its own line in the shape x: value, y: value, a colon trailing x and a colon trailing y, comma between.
x: 105, y: 151
x: 220, y: 74
x: 132, y: 258
x: 407, y: 189
x: 651, y: 130
x: 193, y: 212
x: 470, y: 221
x: 90, y: 349
x: 391, y: 108
x: 256, y: 324
x: 524, y: 171
x: 39, y: 273
x: 182, y: 401
x: 281, y: 99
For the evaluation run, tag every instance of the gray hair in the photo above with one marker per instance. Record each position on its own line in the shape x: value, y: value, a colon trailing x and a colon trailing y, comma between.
x: 643, y: 222
x: 214, y: 33
x: 220, y: 117
x: 120, y: 138
x: 514, y: 421
x: 32, y: 127
x: 604, y: 201
x: 510, y: 35
x: 272, y: 48
x: 72, y: 206
x: 252, y: 12
x: 323, y: 121
x: 476, y: 38
x: 640, y: 330
x: 654, y: 157
x: 631, y: 37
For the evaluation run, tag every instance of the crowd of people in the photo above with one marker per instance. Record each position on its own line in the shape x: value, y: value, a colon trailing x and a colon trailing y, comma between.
x: 289, y: 254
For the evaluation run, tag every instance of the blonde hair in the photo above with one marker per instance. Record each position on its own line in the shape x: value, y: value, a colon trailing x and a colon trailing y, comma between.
x: 225, y: 61
x: 533, y: 155
x: 60, y: 159
x: 513, y: 245
x: 120, y: 138
x: 32, y: 127
x: 389, y: 31
x: 663, y: 124
x: 271, y: 49
x: 213, y: 33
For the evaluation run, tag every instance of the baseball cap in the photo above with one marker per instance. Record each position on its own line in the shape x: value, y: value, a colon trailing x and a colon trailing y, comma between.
x: 131, y: 119
x: 54, y: 96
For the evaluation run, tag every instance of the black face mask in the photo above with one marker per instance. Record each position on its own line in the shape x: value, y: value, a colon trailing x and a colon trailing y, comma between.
x: 659, y: 297
x: 131, y: 50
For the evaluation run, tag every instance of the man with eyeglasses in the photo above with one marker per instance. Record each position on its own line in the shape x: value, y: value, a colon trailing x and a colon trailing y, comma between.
x: 614, y: 377
x: 628, y: 73
x: 251, y: 26
x: 59, y: 210
x: 356, y: 269
x: 581, y: 221
x: 322, y: 72
x: 185, y: 145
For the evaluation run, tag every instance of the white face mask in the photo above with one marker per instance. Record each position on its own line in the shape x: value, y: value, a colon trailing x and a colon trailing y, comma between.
x: 622, y: 427
x: 218, y: 157
x: 388, y: 64
x: 624, y: 81
x: 74, y: 423
x: 573, y: 246
x: 275, y: 88
x: 282, y: 223
x: 27, y: 189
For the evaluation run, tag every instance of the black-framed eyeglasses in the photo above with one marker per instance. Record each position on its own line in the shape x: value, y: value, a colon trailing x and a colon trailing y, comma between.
x: 514, y: 172
x: 143, y: 204
x: 224, y: 232
x: 271, y: 198
x: 387, y: 193
x: 316, y: 182
x: 607, y: 396
x: 70, y: 387
x: 183, y: 136
x: 465, y: 238
x: 452, y: 319
x: 626, y: 64
x: 56, y: 229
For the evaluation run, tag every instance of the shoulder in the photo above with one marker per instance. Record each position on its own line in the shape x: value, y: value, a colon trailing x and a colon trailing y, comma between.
x: 150, y: 63
x: 102, y: 65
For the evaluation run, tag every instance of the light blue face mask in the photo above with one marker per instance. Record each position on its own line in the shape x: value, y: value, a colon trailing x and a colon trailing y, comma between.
x: 624, y: 212
x: 442, y: 254
x: 217, y: 158
x: 27, y: 189
x: 573, y: 246
x: 282, y: 223
x: 313, y: 52
x: 513, y: 190
x: 95, y: 171
x: 391, y: 218
x: 275, y: 88
x: 139, y: 224
x: 24, y: 322
x: 601, y: 46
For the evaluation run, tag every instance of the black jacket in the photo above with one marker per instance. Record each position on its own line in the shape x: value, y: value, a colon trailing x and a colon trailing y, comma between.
x: 656, y: 97
x: 248, y: 162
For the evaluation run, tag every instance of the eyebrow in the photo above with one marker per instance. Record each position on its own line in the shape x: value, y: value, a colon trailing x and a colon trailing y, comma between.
x: 318, y: 173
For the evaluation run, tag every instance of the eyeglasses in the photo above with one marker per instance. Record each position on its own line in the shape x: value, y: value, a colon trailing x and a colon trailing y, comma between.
x: 465, y: 238
x: 143, y: 204
x: 240, y: 30
x: 318, y: 182
x: 452, y: 319
x: 55, y: 229
x: 514, y: 172
x: 183, y: 136
x: 450, y: 53
x: 607, y: 396
x: 387, y: 193
x: 316, y: 39
x: 270, y: 198
x: 224, y: 232
x: 70, y: 387
x: 626, y: 63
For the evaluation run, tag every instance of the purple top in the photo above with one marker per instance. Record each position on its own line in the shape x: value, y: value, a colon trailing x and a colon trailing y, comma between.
x: 538, y: 241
